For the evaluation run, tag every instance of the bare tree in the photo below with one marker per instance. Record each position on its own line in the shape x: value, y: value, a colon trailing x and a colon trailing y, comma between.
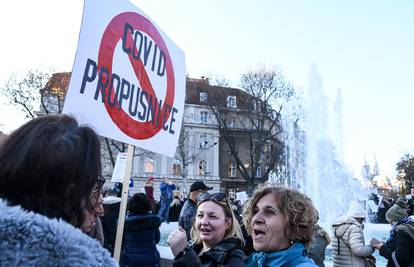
x: 187, y: 154
x: 40, y: 89
x: 22, y: 91
x: 255, y: 118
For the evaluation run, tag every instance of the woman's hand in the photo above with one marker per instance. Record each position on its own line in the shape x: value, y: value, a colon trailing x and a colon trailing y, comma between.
x: 378, y: 245
x: 177, y: 240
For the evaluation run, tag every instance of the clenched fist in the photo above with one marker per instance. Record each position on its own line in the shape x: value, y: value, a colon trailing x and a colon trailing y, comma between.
x: 177, y: 240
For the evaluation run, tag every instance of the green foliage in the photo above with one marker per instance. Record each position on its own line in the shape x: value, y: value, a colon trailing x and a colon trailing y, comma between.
x: 405, y: 168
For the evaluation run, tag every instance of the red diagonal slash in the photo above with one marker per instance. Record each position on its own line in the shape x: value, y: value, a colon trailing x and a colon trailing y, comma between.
x: 113, y: 33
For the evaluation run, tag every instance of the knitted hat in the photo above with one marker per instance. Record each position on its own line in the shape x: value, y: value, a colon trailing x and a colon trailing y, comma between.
x: 356, y: 210
x: 396, y: 213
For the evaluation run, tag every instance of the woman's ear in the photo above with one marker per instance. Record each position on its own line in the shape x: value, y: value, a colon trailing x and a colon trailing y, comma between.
x: 228, y: 223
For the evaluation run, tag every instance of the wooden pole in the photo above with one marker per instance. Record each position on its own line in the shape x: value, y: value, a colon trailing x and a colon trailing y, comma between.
x: 124, y: 200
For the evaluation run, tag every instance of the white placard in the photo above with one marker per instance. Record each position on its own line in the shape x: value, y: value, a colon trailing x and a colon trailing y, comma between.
x: 119, y: 169
x: 128, y: 79
x: 242, y: 197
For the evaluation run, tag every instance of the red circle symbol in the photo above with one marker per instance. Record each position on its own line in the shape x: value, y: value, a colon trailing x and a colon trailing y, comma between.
x: 113, y: 33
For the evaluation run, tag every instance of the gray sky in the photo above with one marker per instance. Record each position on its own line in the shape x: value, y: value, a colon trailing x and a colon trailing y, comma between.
x: 363, y: 47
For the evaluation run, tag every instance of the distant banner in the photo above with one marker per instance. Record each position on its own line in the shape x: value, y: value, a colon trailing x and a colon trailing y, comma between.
x: 119, y: 169
x: 128, y: 79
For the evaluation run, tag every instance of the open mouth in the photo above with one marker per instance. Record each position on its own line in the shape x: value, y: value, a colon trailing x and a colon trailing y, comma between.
x: 258, y: 233
x: 205, y: 231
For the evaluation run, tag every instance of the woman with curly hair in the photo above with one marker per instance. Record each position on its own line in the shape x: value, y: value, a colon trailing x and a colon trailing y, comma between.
x: 281, y: 222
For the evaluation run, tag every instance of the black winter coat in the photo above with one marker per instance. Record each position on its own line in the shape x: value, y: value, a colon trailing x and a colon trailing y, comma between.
x: 141, y: 235
x: 400, y: 247
x: 227, y: 253
x: 109, y: 224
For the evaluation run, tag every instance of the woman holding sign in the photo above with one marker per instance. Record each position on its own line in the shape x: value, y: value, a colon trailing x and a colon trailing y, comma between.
x: 216, y: 234
x: 49, y: 171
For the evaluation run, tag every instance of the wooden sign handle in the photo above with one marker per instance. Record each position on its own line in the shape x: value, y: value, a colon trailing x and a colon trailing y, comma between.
x: 124, y: 200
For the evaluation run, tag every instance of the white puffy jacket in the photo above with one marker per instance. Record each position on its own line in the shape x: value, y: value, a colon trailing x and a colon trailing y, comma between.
x: 348, y: 245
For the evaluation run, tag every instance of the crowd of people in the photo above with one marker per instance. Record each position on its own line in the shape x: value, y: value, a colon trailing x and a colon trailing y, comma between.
x: 53, y: 212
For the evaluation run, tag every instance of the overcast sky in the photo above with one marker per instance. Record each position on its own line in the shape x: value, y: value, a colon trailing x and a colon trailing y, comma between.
x: 363, y: 47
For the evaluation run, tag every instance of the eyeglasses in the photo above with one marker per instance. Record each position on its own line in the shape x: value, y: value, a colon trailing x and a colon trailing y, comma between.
x: 215, y: 196
x: 99, y: 183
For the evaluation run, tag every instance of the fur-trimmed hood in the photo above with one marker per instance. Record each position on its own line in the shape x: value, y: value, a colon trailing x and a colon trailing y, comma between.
x: 30, y: 239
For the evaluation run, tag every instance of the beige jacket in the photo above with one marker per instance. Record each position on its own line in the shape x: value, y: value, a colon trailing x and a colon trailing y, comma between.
x: 348, y: 239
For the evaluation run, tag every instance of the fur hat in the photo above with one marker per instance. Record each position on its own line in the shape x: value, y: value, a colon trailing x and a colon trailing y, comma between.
x: 396, y: 213
x: 356, y: 210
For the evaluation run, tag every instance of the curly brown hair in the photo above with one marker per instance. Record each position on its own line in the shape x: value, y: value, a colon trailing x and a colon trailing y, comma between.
x: 297, y: 208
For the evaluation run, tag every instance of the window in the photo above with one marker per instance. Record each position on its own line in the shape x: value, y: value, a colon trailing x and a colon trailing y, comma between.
x: 203, y: 97
x: 176, y: 168
x: 231, y: 101
x: 203, y: 141
x: 231, y: 169
x: 259, y: 172
x: 203, y: 117
x: 202, y: 167
x: 149, y: 165
x: 232, y: 193
x: 231, y: 122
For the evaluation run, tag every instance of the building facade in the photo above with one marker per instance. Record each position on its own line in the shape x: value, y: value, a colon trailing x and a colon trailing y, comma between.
x: 202, y: 153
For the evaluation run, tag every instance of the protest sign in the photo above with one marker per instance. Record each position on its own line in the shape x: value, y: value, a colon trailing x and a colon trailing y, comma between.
x: 119, y: 169
x: 242, y: 197
x: 128, y: 79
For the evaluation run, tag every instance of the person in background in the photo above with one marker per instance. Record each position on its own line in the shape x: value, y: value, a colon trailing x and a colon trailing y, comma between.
x: 149, y: 191
x: 141, y: 234
x: 189, y: 209
x: 111, y: 204
x: 348, y: 244
x: 411, y: 202
x: 175, y: 209
x: 49, y: 169
x: 372, y: 207
x: 166, y: 190
x: 317, y: 247
x: 399, y: 247
x: 216, y: 233
x: 281, y: 222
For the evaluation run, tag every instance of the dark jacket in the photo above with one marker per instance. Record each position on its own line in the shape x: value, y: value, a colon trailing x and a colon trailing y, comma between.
x: 141, y: 235
x: 226, y: 253
x: 109, y: 224
x: 166, y: 191
x: 175, y: 209
x: 316, y: 249
x: 400, y: 246
x: 187, y: 214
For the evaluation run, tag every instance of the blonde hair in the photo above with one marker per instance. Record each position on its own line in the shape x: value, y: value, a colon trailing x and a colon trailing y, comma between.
x: 234, y: 229
x: 297, y: 208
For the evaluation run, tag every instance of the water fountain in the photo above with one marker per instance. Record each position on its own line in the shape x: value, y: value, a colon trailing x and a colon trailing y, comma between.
x: 313, y: 159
